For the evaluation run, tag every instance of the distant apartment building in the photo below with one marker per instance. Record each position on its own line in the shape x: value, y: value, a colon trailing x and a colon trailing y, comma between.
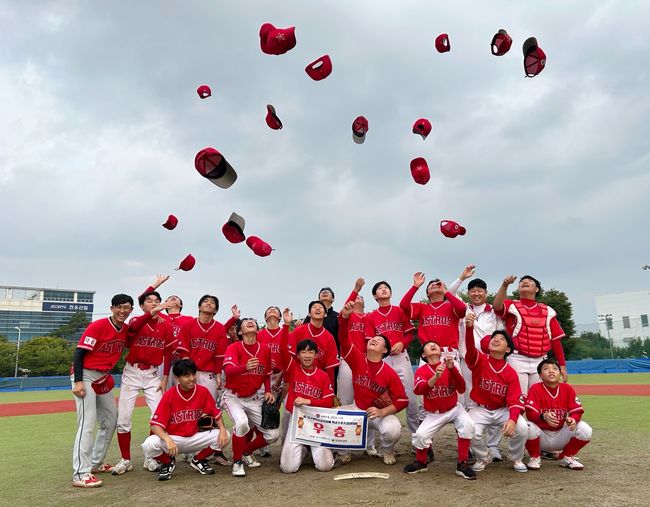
x: 624, y: 315
x: 40, y: 311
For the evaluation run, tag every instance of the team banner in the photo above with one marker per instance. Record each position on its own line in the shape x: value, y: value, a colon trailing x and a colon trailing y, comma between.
x: 337, y: 428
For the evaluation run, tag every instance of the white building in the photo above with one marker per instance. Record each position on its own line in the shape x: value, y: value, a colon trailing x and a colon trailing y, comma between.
x: 624, y: 315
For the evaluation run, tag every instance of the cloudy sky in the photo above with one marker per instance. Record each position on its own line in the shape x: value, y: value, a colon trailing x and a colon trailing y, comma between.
x: 100, y: 124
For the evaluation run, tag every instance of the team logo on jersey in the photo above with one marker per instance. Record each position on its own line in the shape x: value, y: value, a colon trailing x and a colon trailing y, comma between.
x: 578, y: 401
x: 89, y: 341
x: 522, y: 399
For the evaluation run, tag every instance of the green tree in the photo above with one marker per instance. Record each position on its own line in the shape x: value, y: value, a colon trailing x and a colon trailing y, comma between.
x: 7, y: 357
x: 77, y: 322
x: 46, y: 355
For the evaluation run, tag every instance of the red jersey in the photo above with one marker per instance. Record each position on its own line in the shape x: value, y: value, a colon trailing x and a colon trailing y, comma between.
x: 239, y: 379
x: 327, y: 357
x: 443, y: 396
x: 391, y: 322
x: 495, y: 383
x: 104, y: 343
x: 271, y: 338
x: 205, y: 343
x: 314, y: 384
x: 179, y: 411
x: 150, y: 341
x: 357, y: 331
x: 538, y: 318
x: 561, y: 400
x: 438, y: 322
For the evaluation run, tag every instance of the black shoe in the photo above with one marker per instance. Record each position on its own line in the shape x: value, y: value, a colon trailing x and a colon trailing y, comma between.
x: 265, y: 454
x: 430, y: 455
x: 464, y: 470
x: 202, y: 466
x: 166, y: 471
x: 415, y: 467
x: 551, y: 455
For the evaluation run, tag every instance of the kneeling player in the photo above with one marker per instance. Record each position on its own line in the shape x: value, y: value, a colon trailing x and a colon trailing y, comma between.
x: 439, y: 384
x: 554, y: 424
x: 175, y: 424
x: 497, y: 394
x: 308, y: 385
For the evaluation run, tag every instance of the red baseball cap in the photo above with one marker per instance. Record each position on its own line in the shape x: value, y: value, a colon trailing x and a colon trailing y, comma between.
x: 171, y: 222
x: 272, y: 119
x: 501, y: 43
x: 359, y: 129
x: 204, y: 91
x: 187, y: 263
x: 451, y: 229
x: 422, y: 127
x: 277, y: 41
x: 233, y: 229
x: 534, y: 57
x: 420, y: 171
x: 259, y: 247
x: 213, y: 165
x: 442, y: 43
x: 485, y: 344
x: 319, y: 69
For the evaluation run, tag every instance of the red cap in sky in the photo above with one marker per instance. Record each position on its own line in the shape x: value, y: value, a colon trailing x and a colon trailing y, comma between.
x: 272, y: 119
x: 213, y: 166
x: 277, y: 41
x: 258, y: 246
x: 422, y: 127
x: 420, y: 171
x: 442, y: 43
x: 233, y: 229
x: 501, y: 43
x: 204, y: 91
x: 171, y: 222
x: 534, y: 57
x: 451, y: 229
x: 319, y: 69
x: 187, y: 263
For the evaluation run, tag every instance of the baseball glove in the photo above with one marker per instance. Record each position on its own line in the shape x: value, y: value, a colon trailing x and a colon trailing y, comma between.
x: 207, y: 422
x: 271, y: 414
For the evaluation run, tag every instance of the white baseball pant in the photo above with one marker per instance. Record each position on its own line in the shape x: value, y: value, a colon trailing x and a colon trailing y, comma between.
x: 557, y: 440
x: 293, y: 454
x: 434, y: 421
x: 208, y: 379
x: 246, y: 413
x: 526, y: 368
x: 402, y: 366
x: 154, y: 445
x: 134, y: 379
x: 484, y: 418
x: 344, y: 384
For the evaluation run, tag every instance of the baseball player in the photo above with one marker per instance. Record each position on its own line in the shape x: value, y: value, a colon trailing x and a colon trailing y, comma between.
x: 175, y: 424
x: 357, y: 335
x: 534, y: 329
x: 554, y: 419
x: 390, y: 321
x: 485, y: 324
x: 308, y: 385
x: 377, y: 388
x: 439, y: 383
x: 248, y: 366
x: 150, y: 342
x: 497, y: 396
x: 97, y: 352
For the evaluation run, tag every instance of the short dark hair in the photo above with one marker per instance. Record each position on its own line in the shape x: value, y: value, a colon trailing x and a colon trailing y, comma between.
x: 316, y: 303
x: 183, y: 367
x: 327, y: 289
x: 509, y: 341
x: 376, y: 286
x: 387, y: 344
x: 241, y: 321
x: 142, y: 297
x: 306, y: 344
x: 548, y: 360
x: 120, y: 299
x: 209, y: 296
x: 478, y: 283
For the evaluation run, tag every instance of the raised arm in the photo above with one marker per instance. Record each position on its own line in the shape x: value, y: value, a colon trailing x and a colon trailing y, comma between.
x: 405, y: 303
x: 465, y: 274
x: 358, y: 285
x: 500, y: 296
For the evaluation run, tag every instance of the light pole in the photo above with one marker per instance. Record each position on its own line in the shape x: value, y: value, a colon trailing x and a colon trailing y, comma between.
x: 607, y: 319
x: 17, y: 350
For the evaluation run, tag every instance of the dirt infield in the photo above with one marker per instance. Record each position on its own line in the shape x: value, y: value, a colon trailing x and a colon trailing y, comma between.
x: 52, y: 407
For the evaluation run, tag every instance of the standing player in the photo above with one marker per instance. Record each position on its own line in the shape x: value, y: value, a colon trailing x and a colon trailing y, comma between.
x: 554, y: 412
x: 150, y: 342
x: 497, y: 397
x: 308, y: 385
x: 390, y: 321
x: 97, y: 352
x: 534, y: 329
x: 357, y: 335
x: 439, y: 383
x: 248, y: 367
x: 175, y: 424
x: 377, y: 388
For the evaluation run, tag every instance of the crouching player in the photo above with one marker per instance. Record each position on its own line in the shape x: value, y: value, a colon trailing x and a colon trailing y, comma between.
x: 308, y: 385
x: 175, y: 424
x: 377, y: 388
x: 440, y: 383
x: 554, y: 413
x: 497, y: 394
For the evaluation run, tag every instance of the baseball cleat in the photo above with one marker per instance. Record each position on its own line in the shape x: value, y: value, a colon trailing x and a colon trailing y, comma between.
x: 534, y: 463
x: 151, y: 464
x: 371, y: 450
x: 415, y: 467
x: 122, y: 466
x: 250, y: 461
x: 519, y: 466
x: 264, y: 453
x: 202, y: 466
x: 87, y: 481
x: 480, y: 465
x: 102, y: 469
x: 341, y: 458
x: 464, y: 470
x: 430, y: 456
x: 238, y: 469
x: 389, y: 458
x: 220, y: 459
x: 496, y: 455
x: 571, y: 462
x: 166, y: 471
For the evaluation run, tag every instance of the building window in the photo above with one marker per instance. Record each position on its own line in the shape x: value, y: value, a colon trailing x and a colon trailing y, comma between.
x: 644, y: 320
x: 626, y: 322
x: 58, y: 295
x: 84, y: 297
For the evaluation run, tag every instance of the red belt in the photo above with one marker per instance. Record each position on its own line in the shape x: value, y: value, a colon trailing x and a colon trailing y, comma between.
x: 142, y: 366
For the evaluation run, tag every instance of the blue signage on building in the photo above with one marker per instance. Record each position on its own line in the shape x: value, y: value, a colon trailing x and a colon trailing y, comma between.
x: 67, y: 307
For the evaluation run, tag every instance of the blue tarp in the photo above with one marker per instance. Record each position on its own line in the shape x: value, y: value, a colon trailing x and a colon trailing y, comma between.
x: 40, y: 383
x: 635, y: 365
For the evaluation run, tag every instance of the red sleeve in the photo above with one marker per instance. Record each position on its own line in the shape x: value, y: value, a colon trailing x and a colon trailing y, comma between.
x: 229, y: 323
x: 460, y: 308
x: 575, y: 407
x: 398, y: 394
x: 285, y: 356
x: 533, y: 414
x: 458, y: 380
x: 405, y: 303
x: 209, y: 407
x: 558, y: 351
x: 137, y: 323
x: 409, y: 331
x: 471, y: 356
x: 161, y: 415
x: 330, y: 374
x: 420, y: 383
x: 514, y: 398
x: 506, y: 304
x: 148, y: 289
x: 556, y: 330
x: 233, y: 370
x: 267, y: 383
x: 344, y: 341
x: 183, y: 347
x: 352, y: 297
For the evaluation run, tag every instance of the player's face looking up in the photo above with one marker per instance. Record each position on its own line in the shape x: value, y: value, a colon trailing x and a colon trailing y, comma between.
x: 499, y: 344
x: 477, y: 296
x: 187, y: 382
x: 271, y: 314
x: 436, y: 288
x: 121, y: 312
x: 175, y: 302
x: 359, y: 304
x: 383, y: 292
x: 550, y: 374
x: 377, y: 344
x: 326, y: 297
x: 317, y: 311
x: 431, y: 351
x: 306, y: 357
